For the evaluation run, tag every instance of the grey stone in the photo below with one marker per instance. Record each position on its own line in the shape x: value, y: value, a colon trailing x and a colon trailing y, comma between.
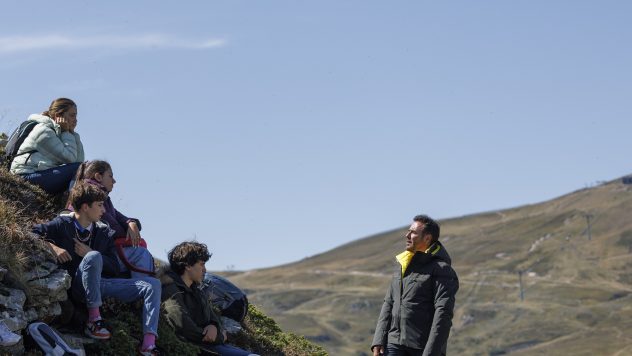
x: 50, y: 289
x: 12, y: 298
x: 41, y: 312
x: 14, y: 319
x: 30, y: 315
x: 3, y: 272
x: 40, y: 270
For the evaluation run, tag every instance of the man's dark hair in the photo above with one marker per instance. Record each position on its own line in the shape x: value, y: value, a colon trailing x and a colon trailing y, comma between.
x: 85, y: 193
x: 186, y: 254
x: 430, y: 227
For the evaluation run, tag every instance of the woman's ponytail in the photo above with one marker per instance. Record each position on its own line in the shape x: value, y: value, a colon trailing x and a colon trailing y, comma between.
x: 88, y: 169
x: 80, y: 171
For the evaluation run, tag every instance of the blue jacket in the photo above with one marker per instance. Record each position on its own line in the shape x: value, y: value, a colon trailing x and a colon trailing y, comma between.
x: 61, y: 231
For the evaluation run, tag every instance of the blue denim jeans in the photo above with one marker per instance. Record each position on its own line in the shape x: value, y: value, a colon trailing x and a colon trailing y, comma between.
x: 88, y: 286
x: 53, y: 180
x: 139, y: 257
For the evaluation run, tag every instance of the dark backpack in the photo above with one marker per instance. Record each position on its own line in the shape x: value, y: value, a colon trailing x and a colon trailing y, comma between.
x: 15, y: 141
x: 226, y: 296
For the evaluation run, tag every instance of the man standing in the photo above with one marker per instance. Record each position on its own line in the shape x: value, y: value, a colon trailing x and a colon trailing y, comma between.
x: 417, y: 312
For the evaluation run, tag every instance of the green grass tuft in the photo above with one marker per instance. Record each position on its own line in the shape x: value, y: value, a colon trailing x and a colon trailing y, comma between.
x: 264, y: 336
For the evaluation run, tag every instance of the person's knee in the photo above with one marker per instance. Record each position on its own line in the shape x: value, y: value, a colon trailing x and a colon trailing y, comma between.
x: 92, y: 259
x: 156, y: 286
x: 145, y: 253
x: 151, y: 284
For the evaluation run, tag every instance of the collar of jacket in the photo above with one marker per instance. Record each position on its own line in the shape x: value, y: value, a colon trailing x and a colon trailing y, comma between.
x: 48, y: 121
x: 405, y: 257
x: 177, y: 280
x: 70, y: 218
x: 96, y: 183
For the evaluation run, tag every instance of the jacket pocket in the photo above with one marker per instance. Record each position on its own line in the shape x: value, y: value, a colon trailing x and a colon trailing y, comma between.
x: 418, y: 289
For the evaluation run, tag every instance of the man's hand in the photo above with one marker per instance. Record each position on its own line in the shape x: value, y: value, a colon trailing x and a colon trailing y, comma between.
x: 210, y: 333
x: 378, y: 350
x: 81, y: 249
x: 62, y: 255
x: 225, y: 336
x: 133, y: 233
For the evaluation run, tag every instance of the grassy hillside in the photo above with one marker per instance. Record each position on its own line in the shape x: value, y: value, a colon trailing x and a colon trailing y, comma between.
x: 577, y: 292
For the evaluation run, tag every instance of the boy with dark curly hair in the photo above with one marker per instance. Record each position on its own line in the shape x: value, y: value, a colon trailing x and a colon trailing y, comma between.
x: 187, y: 309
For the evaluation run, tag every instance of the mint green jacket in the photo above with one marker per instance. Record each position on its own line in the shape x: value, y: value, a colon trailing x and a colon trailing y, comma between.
x: 53, y: 147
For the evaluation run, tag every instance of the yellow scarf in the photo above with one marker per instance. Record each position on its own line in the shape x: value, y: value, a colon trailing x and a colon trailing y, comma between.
x: 405, y: 257
x: 404, y: 260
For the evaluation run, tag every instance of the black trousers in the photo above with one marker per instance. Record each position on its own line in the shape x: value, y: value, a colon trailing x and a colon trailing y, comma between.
x: 399, y: 350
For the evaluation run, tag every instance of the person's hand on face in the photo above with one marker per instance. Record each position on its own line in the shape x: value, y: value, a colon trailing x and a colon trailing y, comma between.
x: 67, y: 120
x: 63, y: 123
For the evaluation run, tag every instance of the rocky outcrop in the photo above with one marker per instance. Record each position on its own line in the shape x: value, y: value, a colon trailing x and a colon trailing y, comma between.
x: 45, y: 286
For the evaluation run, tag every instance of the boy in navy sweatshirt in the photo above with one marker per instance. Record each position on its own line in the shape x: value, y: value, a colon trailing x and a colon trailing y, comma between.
x: 85, y: 247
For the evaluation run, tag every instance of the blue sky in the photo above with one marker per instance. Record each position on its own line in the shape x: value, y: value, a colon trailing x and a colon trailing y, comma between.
x: 277, y: 130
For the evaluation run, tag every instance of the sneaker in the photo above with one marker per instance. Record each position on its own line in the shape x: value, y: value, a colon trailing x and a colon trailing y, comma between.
x: 151, y: 351
x: 8, y: 337
x: 97, y: 330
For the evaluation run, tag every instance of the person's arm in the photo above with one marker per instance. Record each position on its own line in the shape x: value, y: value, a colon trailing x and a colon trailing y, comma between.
x: 110, y: 261
x: 177, y: 315
x: 123, y: 220
x: 446, y: 285
x: 132, y: 226
x: 214, y: 335
x: 63, y: 148
x: 383, y: 323
x: 217, y: 322
x: 80, y: 153
x: 47, y: 232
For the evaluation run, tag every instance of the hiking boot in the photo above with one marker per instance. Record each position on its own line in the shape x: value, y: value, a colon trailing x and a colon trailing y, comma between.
x: 97, y: 330
x: 8, y: 337
x: 151, y: 351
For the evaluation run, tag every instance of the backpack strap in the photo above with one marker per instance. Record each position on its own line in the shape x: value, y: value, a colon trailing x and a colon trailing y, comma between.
x: 30, y: 153
x: 120, y: 244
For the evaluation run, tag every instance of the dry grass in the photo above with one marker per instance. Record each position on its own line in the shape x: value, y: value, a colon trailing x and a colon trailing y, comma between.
x: 21, y: 204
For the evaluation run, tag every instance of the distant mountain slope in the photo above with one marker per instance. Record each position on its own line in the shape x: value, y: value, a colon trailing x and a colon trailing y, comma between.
x: 577, y: 291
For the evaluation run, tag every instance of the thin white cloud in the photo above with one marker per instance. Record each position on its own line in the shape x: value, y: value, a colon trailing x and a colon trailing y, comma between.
x: 15, y: 44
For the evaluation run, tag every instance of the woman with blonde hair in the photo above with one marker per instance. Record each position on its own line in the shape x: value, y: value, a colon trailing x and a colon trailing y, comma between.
x: 51, y: 153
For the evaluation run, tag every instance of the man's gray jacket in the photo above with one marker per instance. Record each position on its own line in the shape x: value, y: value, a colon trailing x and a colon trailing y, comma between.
x: 418, y: 307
